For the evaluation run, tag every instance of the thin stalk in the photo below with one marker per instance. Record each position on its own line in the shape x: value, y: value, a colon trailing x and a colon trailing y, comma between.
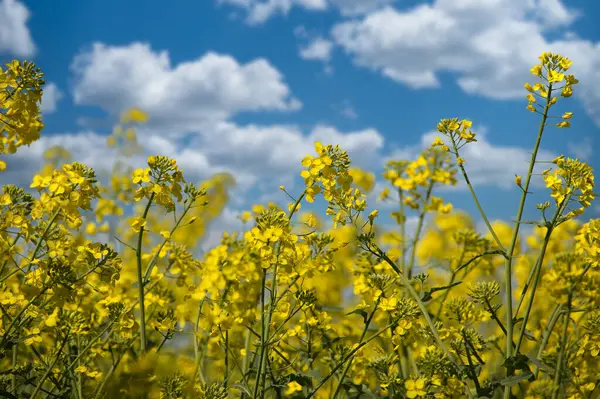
x: 472, y: 373
x: 348, y: 357
x: 266, y: 321
x: 9, y: 248
x: 546, y: 334
x: 420, y: 223
x: 155, y: 257
x: 140, y: 277
x: 452, y: 279
x: 89, y: 345
x: 362, y: 337
x: 537, y: 270
x: 561, y: 353
x: 50, y: 367
x: 13, y: 379
x: 262, y: 336
x: 536, y: 281
x: 37, y: 245
x: 563, y: 344
x: 415, y: 296
x: 402, y: 233
x: 513, y: 243
x: 479, y: 207
x: 18, y: 316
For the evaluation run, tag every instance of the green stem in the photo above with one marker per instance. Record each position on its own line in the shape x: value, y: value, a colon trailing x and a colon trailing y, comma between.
x: 420, y: 223
x: 155, y: 257
x: 402, y: 233
x: 415, y: 296
x: 18, y: 316
x: 538, y: 272
x: 362, y: 337
x: 563, y: 344
x: 562, y: 350
x: 49, y: 369
x: 140, y: 277
x: 513, y: 243
x: 546, y: 334
x: 263, y: 335
x: 348, y: 357
x: 478, y: 204
x: 89, y: 345
x: 266, y: 321
x: 13, y: 380
x: 452, y: 279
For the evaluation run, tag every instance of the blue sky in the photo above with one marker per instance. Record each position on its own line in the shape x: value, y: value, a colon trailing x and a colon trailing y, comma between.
x: 245, y: 86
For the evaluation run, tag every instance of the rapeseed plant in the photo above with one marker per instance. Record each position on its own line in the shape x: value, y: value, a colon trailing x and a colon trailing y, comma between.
x: 445, y: 313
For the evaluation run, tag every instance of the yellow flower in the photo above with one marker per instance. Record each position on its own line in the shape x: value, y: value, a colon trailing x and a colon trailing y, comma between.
x: 373, y: 215
x: 141, y: 176
x: 403, y: 327
x: 415, y: 388
x: 138, y: 223
x: 33, y: 336
x: 293, y: 387
x: 554, y: 76
x: 536, y: 70
x: 52, y: 318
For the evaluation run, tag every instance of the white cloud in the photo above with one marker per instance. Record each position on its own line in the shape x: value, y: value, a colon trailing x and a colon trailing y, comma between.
x: 358, y: 7
x: 90, y: 149
x: 259, y: 11
x: 51, y: 96
x: 490, y: 45
x: 180, y: 97
x: 583, y: 149
x: 318, y: 49
x: 259, y: 157
x: 15, y: 37
x: 268, y: 156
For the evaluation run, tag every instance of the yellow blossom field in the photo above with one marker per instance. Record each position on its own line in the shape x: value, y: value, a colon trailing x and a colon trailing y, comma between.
x: 104, y: 294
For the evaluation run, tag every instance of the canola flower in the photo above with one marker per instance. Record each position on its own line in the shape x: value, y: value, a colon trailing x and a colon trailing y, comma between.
x: 291, y: 307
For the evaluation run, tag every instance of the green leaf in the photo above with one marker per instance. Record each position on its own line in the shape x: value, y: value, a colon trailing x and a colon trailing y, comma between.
x: 427, y: 296
x: 543, y: 366
x: 515, y: 379
x: 361, y: 312
x: 529, y: 335
x: 242, y: 388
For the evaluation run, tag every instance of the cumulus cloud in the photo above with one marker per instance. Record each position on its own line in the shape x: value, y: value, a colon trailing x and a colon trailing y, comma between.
x: 259, y: 11
x: 489, y: 45
x: 15, y: 37
x: 50, y: 98
x: 267, y: 156
x: 90, y: 148
x: 259, y: 157
x: 318, y: 49
x: 350, y: 8
x: 184, y: 96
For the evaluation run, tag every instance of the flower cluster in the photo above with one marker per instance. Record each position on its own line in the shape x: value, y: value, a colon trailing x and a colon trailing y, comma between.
x: 292, y: 307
